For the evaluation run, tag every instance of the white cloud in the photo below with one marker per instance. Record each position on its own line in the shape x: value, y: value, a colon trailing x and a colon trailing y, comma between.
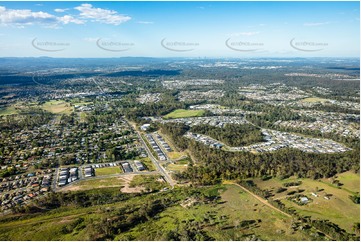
x: 145, y: 22
x: 87, y: 11
x: 66, y: 19
x: 316, y: 24
x: 61, y: 10
x: 245, y: 34
x: 24, y: 17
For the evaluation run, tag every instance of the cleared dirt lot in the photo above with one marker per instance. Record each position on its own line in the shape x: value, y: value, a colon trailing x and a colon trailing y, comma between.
x: 121, y: 182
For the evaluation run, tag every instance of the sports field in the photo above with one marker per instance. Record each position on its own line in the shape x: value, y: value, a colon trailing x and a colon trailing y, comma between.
x: 314, y: 100
x: 183, y: 113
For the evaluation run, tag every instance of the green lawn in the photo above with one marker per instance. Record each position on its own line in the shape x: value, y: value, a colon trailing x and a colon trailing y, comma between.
x: 108, y: 171
x: 182, y: 113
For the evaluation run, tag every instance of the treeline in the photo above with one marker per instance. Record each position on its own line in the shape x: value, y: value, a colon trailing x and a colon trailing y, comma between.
x: 274, y: 114
x: 231, y: 134
x: 176, y: 131
x: 167, y: 104
x: 16, y: 123
x: 355, y: 198
x: 217, y: 164
x: 77, y: 199
x: 213, y: 165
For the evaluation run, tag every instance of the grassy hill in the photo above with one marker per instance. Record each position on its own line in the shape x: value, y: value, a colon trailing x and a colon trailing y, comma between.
x: 338, y: 208
x: 209, y: 213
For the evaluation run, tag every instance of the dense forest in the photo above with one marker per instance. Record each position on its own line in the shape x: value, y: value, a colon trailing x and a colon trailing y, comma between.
x: 215, y: 164
x: 246, y: 134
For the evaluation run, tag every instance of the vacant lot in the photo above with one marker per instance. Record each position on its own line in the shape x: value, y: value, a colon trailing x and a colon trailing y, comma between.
x: 180, y: 165
x: 108, y: 171
x: 57, y: 107
x: 176, y: 167
x: 148, y: 182
x: 95, y: 183
x: 338, y: 209
x: 182, y: 113
x: 174, y: 155
x: 148, y: 164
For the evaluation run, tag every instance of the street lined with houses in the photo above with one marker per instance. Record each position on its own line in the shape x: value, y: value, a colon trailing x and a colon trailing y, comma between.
x: 275, y: 140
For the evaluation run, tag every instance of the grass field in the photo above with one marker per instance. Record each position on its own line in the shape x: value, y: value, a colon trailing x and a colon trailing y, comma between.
x: 57, y: 107
x: 148, y: 163
x: 8, y: 111
x: 182, y: 113
x: 176, y: 167
x: 174, y: 155
x: 108, y: 171
x: 235, y: 216
x: 83, y: 116
x: 95, y: 183
x: 339, y: 209
x: 350, y: 181
x: 314, y: 100
x: 225, y: 217
x: 180, y: 165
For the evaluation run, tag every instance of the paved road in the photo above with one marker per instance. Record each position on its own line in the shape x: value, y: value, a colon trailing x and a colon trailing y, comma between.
x: 161, y: 147
x: 55, y: 179
x: 160, y: 168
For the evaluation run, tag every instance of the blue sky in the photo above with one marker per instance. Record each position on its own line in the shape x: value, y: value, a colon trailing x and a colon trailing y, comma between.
x: 180, y: 29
